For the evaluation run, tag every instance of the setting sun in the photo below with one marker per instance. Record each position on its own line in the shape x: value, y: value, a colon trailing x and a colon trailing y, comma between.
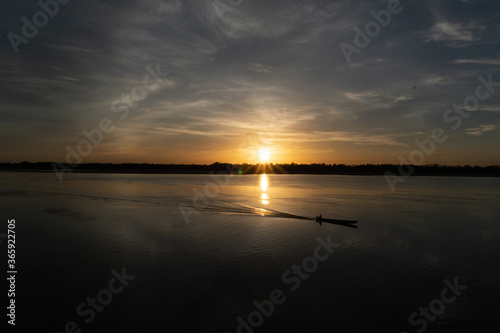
x: 264, y: 155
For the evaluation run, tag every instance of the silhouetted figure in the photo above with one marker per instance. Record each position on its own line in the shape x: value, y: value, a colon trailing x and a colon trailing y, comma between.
x: 319, y: 219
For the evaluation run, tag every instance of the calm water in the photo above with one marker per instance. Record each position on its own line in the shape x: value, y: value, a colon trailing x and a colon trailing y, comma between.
x: 202, y: 275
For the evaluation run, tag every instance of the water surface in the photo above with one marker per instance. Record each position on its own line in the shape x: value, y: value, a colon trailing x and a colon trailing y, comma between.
x: 202, y: 275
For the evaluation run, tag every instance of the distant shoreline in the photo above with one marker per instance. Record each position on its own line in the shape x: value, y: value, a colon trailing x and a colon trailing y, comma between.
x: 135, y: 172
x: 292, y: 168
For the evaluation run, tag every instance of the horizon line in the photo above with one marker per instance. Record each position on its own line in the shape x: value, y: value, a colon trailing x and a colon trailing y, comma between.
x: 261, y: 163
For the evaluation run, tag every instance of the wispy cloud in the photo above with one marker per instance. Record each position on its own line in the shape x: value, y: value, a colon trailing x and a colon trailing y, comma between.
x: 480, y: 130
x: 260, y: 68
x: 448, y: 31
x: 361, y: 96
x: 477, y: 61
x: 339, y: 136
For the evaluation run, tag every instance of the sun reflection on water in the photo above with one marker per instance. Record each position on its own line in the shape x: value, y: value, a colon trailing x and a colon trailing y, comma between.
x: 264, y: 183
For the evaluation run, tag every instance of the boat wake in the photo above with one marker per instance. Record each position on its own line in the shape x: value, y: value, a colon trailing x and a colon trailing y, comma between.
x: 233, y: 208
x: 229, y: 207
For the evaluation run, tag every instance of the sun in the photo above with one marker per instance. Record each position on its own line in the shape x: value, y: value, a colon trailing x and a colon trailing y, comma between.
x: 264, y: 154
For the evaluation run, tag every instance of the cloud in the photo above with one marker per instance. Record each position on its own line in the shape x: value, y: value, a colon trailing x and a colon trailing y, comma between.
x: 454, y: 34
x: 477, y: 61
x: 260, y: 68
x: 435, y: 79
x: 362, y: 96
x: 480, y: 130
x: 450, y: 31
x: 342, y: 136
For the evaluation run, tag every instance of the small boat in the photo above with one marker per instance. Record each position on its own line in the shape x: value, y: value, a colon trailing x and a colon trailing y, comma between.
x: 347, y: 223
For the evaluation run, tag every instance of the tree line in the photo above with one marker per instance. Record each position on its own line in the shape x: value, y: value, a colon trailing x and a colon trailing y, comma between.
x: 269, y: 168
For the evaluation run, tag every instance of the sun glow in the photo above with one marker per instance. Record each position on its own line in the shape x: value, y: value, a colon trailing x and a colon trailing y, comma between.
x: 264, y: 154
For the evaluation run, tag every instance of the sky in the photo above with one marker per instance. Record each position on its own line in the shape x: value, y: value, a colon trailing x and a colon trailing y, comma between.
x: 247, y: 81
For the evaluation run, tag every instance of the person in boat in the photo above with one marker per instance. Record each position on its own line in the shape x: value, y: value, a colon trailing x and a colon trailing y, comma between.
x: 319, y: 219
